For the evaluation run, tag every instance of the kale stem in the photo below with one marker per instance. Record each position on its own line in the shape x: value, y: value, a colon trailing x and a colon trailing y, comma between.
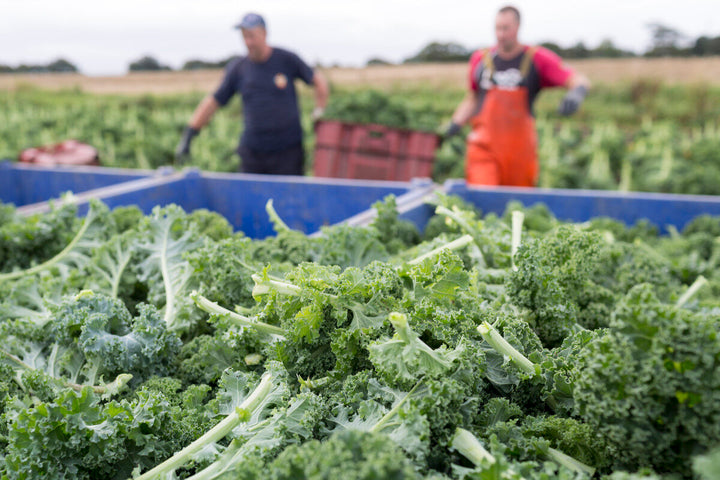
x: 570, y: 462
x: 470, y: 447
x: 278, y: 224
x: 496, y: 341
x: 241, y: 320
x: 697, y: 285
x: 455, y: 244
x: 518, y: 218
x: 262, y: 286
x: 218, y: 432
x: 386, y: 418
x: 90, y: 218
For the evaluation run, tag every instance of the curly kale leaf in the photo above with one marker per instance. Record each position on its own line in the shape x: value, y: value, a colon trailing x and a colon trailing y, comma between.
x: 239, y: 405
x: 31, y: 299
x: 537, y: 218
x: 348, y: 454
x: 76, y: 436
x: 436, y: 277
x: 142, y: 346
x: 403, y: 359
x: 555, y: 281
x: 204, y: 358
x: 491, y: 235
x: 707, y: 466
x: 76, y: 252
x: 532, y: 438
x: 109, y: 270
x: 396, y: 234
x: 497, y: 462
x: 28, y: 241
x: 650, y: 384
x: 377, y: 408
x: 110, y: 340
x: 327, y: 316
x: 348, y: 246
x: 188, y: 408
x: 167, y: 236
x: 223, y: 271
x: 254, y: 442
x: 209, y: 224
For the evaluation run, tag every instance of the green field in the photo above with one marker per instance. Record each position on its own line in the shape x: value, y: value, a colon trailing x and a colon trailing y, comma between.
x: 637, y: 136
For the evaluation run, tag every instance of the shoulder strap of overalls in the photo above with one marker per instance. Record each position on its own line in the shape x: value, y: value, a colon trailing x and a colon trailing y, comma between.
x: 488, y: 61
x: 527, y: 61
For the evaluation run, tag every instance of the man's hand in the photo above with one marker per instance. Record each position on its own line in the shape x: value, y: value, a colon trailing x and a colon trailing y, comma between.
x: 448, y: 134
x: 183, y: 148
x: 572, y: 100
x: 451, y: 130
x: 317, y: 114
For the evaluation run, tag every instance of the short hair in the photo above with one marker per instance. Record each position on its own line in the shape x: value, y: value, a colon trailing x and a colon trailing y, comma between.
x: 511, y: 9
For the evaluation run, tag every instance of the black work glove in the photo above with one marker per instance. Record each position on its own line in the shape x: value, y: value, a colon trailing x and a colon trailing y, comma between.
x: 183, y: 149
x: 572, y: 100
x: 452, y: 130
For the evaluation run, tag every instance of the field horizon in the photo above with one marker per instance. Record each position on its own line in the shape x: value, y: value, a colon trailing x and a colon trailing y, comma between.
x: 448, y: 75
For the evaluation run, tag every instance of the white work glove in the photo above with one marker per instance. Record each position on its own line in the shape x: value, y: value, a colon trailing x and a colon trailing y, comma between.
x: 317, y: 114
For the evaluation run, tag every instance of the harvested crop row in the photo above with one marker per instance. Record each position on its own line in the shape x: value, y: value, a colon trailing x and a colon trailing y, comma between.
x: 513, y: 347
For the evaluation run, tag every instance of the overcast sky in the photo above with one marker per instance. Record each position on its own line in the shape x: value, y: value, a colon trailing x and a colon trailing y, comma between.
x: 102, y: 37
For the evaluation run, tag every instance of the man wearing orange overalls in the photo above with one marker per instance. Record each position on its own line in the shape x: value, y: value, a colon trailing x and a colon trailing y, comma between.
x: 504, y: 82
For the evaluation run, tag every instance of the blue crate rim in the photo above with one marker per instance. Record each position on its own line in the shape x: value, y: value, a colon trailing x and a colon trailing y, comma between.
x: 294, y: 179
x: 452, y: 184
x: 19, y: 166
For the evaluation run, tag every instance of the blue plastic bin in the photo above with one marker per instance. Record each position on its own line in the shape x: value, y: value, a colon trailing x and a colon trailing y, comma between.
x: 24, y: 184
x: 304, y: 203
x: 662, y: 210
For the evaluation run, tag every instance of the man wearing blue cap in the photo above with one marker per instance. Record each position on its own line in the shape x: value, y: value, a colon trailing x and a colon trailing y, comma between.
x: 271, y: 142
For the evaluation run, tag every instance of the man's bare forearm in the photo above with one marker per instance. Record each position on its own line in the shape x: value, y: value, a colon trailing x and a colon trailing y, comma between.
x: 465, y: 110
x: 322, y: 91
x: 578, y: 80
x: 204, y: 112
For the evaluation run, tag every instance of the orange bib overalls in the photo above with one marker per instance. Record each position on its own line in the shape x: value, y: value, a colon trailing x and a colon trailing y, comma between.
x: 502, y: 147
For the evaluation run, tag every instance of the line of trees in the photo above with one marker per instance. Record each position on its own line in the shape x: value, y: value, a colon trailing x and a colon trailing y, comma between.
x: 58, y: 66
x: 204, y: 65
x: 148, y: 64
x: 665, y: 42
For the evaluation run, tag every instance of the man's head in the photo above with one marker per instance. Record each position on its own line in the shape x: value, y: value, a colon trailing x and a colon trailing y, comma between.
x: 254, y: 34
x: 507, y: 23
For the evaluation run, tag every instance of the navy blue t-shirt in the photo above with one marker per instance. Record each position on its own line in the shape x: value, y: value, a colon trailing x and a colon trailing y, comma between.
x: 270, y: 105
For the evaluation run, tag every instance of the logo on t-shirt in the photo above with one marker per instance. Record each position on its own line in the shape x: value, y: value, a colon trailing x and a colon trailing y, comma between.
x: 281, y: 81
x: 508, y: 79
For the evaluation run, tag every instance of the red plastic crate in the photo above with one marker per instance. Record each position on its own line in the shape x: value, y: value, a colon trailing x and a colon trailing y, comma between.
x: 372, y: 152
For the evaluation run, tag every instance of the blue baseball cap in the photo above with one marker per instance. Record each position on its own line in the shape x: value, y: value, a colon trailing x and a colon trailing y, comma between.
x: 251, y: 20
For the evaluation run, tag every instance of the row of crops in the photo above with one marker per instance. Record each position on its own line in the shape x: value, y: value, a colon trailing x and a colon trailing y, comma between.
x: 641, y: 137
x: 512, y: 347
